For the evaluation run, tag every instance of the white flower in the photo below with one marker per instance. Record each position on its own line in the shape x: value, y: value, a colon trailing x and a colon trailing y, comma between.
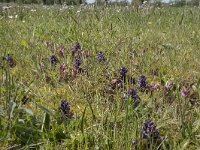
x: 6, y: 7
x: 144, y: 2
x: 118, y: 10
x: 10, y: 17
x: 33, y: 10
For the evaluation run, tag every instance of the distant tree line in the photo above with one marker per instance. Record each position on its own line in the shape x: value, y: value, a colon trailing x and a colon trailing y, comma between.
x: 186, y: 2
x: 77, y: 2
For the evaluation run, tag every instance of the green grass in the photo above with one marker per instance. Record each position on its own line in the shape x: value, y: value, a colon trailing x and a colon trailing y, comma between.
x: 162, y: 44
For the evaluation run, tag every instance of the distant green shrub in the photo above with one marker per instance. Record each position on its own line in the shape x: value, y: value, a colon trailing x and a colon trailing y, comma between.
x: 180, y: 3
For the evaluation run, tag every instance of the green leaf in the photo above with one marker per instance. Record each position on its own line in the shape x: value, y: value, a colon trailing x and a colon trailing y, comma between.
x: 82, y: 120
x: 46, y: 110
x: 11, y: 107
x: 184, y: 144
x: 46, y: 122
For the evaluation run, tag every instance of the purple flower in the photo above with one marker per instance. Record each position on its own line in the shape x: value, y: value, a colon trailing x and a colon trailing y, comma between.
x: 77, y: 46
x: 77, y: 63
x: 142, y: 82
x: 185, y: 92
x: 149, y: 130
x: 100, y: 56
x: 53, y: 59
x: 123, y: 71
x: 133, y: 95
x: 65, y: 108
x: 10, y: 60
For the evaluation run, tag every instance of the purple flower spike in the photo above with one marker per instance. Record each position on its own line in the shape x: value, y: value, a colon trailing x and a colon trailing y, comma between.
x: 77, y: 46
x: 100, y: 56
x: 10, y: 60
x: 123, y: 71
x: 149, y: 130
x: 77, y: 63
x: 53, y: 59
x: 142, y: 82
x: 65, y: 108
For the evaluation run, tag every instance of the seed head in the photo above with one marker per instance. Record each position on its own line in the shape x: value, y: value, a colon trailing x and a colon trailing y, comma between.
x: 62, y: 71
x: 169, y: 85
x: 61, y: 50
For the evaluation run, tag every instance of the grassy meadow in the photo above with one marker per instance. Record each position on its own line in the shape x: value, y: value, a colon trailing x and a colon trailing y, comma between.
x: 99, y: 77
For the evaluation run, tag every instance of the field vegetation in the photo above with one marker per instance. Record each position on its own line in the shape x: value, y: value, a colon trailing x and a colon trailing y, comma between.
x: 99, y: 77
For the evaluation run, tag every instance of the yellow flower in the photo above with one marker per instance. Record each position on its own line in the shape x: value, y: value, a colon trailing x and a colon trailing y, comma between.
x: 149, y: 23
